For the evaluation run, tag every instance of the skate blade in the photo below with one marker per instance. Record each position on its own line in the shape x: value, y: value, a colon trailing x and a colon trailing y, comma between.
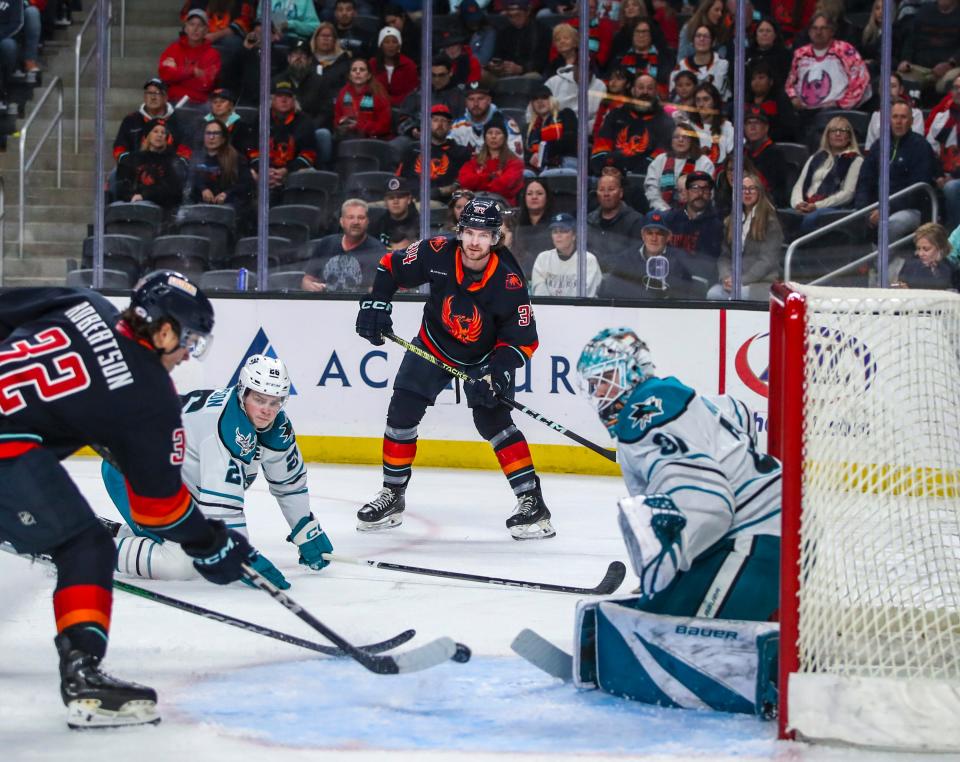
x: 542, y: 530
x: 375, y: 526
x: 88, y: 714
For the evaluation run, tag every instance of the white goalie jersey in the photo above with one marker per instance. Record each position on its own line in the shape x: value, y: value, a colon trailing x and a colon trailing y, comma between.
x: 225, y: 452
x: 701, y: 451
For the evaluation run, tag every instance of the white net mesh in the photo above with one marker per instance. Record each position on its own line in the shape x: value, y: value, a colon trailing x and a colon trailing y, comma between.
x: 880, y: 524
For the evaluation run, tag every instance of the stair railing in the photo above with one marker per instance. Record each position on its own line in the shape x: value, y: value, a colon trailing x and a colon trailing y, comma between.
x: 56, y: 85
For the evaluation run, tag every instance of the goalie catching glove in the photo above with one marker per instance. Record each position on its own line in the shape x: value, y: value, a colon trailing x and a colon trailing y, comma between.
x: 494, y: 380
x: 374, y: 320
x: 652, y: 528
x: 312, y: 541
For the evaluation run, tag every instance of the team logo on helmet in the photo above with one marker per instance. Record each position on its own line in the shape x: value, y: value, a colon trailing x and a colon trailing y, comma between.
x: 464, y: 329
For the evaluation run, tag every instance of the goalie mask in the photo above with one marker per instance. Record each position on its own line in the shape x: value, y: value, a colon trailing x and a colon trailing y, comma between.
x: 265, y: 375
x: 612, y: 363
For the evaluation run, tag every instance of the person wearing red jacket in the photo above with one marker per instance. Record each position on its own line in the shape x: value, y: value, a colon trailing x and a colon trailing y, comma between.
x: 190, y: 66
x: 494, y: 168
x: 394, y: 71
x: 362, y: 109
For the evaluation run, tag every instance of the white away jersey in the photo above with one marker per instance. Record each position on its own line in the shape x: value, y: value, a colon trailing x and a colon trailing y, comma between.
x: 701, y: 451
x: 225, y: 452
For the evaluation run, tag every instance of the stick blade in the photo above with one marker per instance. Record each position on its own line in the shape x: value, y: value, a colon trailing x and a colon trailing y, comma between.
x: 428, y: 655
x: 612, y: 579
x: 543, y: 654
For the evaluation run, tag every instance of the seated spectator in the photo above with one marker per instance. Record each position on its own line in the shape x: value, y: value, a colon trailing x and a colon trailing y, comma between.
x: 633, y: 134
x: 619, y: 84
x: 20, y: 35
x: 897, y: 90
x: 481, y: 36
x: 468, y: 129
x: 764, y: 154
x: 494, y: 168
x: 564, y: 86
x: 829, y: 178
x: 556, y: 271
x: 249, y: 88
x: 644, y: 57
x: 464, y: 67
x: 455, y: 207
x: 550, y: 141
x: 220, y: 174
x: 533, y: 230
x: 313, y: 97
x: 723, y: 195
x: 911, y: 161
x: 228, y: 22
x: 954, y: 255
x: 292, y: 143
x: 668, y: 167
x: 792, y: 16
x: 401, y: 211
x: 716, y: 131
x: 442, y: 93
x: 345, y: 261
x: 944, y: 136
x: 712, y: 14
x: 190, y: 66
x: 446, y: 157
x: 682, y: 103
x: 930, y: 267
x: 762, y: 239
x: 353, y: 39
x: 631, y: 13
x: 696, y: 230
x: 522, y: 45
x: 130, y: 133
x: 602, y: 31
x: 655, y: 270
x: 665, y: 17
x: 396, y: 16
x: 766, y: 94
x: 871, y: 38
x: 826, y: 73
x: 767, y: 46
x: 152, y: 173
x: 614, y: 226
x: 362, y: 109
x: 330, y: 61
x: 930, y: 52
x: 564, y: 50
x: 705, y: 63
x: 241, y: 134
x: 396, y: 73
x: 295, y: 19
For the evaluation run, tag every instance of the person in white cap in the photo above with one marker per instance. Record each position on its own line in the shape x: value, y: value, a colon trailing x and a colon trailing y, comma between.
x: 190, y: 66
x: 391, y: 68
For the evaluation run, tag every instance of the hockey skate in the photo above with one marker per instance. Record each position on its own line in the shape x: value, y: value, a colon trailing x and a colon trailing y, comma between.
x: 383, y: 512
x: 94, y: 699
x: 531, y: 518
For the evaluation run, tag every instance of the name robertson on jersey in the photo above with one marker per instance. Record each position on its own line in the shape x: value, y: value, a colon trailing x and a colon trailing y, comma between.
x: 103, y: 342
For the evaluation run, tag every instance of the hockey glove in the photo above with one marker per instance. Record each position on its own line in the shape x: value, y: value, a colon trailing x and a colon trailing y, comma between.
x: 221, y: 560
x: 495, y: 381
x: 272, y: 573
x: 312, y: 541
x: 652, y: 528
x: 374, y: 320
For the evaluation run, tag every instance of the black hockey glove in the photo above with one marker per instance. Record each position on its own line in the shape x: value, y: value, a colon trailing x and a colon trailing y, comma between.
x: 495, y: 381
x: 374, y: 320
x: 221, y: 560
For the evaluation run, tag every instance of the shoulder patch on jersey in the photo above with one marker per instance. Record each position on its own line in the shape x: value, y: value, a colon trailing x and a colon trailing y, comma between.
x: 512, y: 124
x: 236, y: 432
x: 657, y: 401
x: 513, y: 282
x: 644, y: 411
x: 246, y: 442
x: 437, y: 243
x: 280, y: 436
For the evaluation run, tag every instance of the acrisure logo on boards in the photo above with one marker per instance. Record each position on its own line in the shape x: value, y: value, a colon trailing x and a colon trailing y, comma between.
x: 259, y: 346
x: 752, y: 363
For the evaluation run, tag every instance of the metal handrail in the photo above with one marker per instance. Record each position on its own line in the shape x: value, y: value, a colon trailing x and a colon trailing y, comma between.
x: 79, y: 67
x: 859, y: 261
x: 791, y: 249
x: 26, y: 163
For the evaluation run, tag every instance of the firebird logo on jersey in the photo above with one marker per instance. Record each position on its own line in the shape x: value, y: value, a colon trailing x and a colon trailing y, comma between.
x: 246, y: 443
x: 632, y: 145
x: 438, y: 167
x: 642, y: 413
x: 464, y: 329
x: 437, y: 243
x: 513, y: 282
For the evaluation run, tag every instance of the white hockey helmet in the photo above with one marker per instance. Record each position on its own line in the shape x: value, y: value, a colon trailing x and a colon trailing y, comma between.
x: 266, y: 375
x: 612, y: 363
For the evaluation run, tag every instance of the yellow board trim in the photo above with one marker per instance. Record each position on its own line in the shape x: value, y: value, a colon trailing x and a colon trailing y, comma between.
x: 437, y: 453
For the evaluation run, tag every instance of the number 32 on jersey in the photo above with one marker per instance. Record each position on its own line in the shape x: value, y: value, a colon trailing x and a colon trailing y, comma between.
x: 69, y: 374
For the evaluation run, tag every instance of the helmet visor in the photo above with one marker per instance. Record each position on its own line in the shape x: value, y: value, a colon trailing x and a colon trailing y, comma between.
x: 198, y: 344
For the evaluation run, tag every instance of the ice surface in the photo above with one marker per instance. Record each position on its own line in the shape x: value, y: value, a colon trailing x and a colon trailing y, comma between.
x: 227, y: 694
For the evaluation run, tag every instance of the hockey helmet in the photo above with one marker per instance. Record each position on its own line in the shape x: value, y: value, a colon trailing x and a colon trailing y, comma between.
x: 482, y: 214
x: 611, y: 364
x: 266, y: 375
x: 166, y: 295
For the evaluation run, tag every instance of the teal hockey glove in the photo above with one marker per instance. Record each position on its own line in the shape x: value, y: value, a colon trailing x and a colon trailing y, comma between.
x: 312, y: 541
x: 268, y: 570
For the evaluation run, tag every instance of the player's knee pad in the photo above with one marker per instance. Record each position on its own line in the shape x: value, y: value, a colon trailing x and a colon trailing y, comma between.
x: 491, y: 421
x: 682, y: 662
x: 145, y: 558
x: 86, y: 558
x: 406, y: 409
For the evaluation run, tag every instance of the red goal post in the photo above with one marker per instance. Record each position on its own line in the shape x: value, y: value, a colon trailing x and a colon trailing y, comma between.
x: 864, y: 413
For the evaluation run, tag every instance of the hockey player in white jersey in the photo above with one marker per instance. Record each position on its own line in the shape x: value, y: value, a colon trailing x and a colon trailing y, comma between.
x: 232, y: 434
x: 701, y: 524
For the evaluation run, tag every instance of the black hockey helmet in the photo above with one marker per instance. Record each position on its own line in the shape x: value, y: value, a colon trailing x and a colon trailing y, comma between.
x: 166, y: 295
x: 482, y: 214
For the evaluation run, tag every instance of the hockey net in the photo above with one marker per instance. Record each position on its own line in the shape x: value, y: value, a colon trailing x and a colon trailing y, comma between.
x: 865, y: 414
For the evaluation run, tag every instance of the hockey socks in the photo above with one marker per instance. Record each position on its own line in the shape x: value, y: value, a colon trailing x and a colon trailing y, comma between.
x: 399, y: 450
x: 513, y: 454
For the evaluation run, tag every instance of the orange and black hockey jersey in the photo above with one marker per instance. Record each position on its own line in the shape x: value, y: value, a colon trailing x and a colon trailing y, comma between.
x: 467, y: 316
x: 629, y: 139
x: 293, y: 145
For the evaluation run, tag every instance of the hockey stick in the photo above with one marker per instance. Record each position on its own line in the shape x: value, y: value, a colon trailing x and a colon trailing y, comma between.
x: 610, y: 582
x: 542, y: 654
x: 191, y: 608
x: 457, y: 373
x: 425, y: 656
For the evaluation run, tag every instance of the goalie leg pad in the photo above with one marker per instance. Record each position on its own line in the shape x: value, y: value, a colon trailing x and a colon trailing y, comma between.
x: 684, y: 662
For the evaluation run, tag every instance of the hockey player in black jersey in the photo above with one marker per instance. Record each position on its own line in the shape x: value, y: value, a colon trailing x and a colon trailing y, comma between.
x: 477, y: 318
x: 74, y: 372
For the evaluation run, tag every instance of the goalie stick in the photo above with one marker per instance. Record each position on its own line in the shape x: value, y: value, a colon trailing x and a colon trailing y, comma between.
x: 610, y: 582
x: 457, y: 373
x: 542, y: 654
x: 216, y: 616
